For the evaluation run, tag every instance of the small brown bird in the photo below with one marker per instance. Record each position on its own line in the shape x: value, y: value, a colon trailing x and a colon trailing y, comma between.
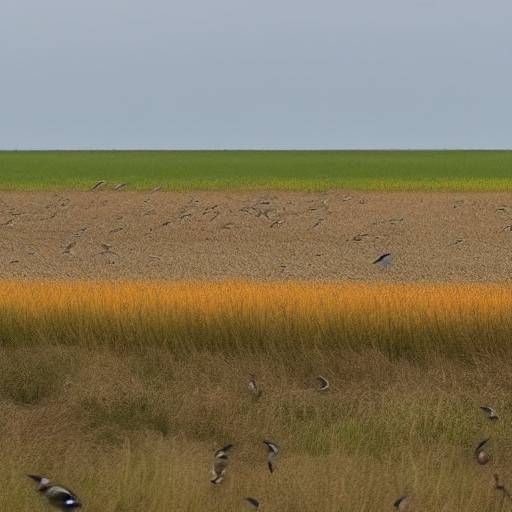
x: 255, y: 504
x: 253, y: 387
x: 324, y: 383
x: 98, y: 185
x: 500, y: 487
x: 273, y: 451
x: 481, y: 456
x: 403, y: 503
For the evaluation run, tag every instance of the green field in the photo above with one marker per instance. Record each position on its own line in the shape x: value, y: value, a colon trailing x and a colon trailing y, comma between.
x: 288, y: 170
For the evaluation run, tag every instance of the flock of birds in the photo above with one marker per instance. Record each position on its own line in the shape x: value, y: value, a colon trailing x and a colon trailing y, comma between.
x: 64, y: 499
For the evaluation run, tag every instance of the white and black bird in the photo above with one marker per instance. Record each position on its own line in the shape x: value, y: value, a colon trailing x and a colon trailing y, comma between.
x: 220, y: 464
x: 98, y: 185
x: 384, y: 260
x: 324, y: 383
x: 253, y: 502
x: 253, y: 387
x: 402, y: 503
x: 489, y: 412
x: 56, y: 495
x: 273, y: 451
x: 481, y: 456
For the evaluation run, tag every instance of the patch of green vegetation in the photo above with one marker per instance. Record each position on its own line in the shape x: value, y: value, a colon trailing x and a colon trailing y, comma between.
x: 286, y: 170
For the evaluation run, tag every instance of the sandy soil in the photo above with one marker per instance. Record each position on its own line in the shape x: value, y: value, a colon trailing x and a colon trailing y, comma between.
x: 255, y: 235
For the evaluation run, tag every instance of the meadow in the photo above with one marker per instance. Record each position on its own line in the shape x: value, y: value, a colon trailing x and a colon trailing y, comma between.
x: 123, y: 391
x: 286, y: 170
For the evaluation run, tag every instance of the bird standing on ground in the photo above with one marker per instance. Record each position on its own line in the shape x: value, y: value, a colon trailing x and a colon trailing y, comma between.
x: 253, y: 387
x: 500, y: 487
x: 324, y: 383
x: 57, y: 496
x: 220, y: 464
x: 385, y: 260
x: 490, y: 412
x: 482, y: 457
x: 402, y: 503
x: 255, y: 504
x: 273, y: 451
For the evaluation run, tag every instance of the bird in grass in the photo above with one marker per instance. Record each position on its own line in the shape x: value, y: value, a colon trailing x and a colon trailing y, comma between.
x: 489, y: 412
x: 255, y: 504
x: 120, y: 186
x: 273, y: 451
x: 500, y: 487
x: 384, y: 260
x: 481, y: 456
x: 402, y: 503
x: 253, y: 387
x: 57, y: 496
x: 98, y: 185
x: 324, y: 383
x: 220, y: 464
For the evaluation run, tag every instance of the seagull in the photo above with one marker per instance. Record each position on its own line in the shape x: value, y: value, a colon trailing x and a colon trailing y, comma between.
x: 253, y: 502
x: 481, y: 456
x: 220, y: 464
x: 385, y: 260
x: 402, y: 503
x: 98, y: 184
x: 324, y: 383
x: 500, y: 487
x: 489, y: 411
x: 273, y: 451
x: 57, y: 496
x: 253, y: 387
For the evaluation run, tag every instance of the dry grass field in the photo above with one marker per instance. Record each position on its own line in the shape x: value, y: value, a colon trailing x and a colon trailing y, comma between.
x: 123, y: 391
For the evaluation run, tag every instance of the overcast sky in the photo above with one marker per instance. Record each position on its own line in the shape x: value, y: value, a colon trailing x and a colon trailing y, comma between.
x: 255, y: 74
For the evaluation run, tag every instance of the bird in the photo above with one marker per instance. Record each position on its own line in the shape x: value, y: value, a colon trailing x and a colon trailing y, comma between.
x: 273, y: 451
x: 220, y: 464
x: 489, y: 411
x: 120, y: 186
x: 57, y: 496
x: 98, y: 184
x: 385, y: 260
x: 324, y: 383
x: 500, y: 487
x: 253, y: 387
x: 222, y: 451
x: 402, y: 503
x: 255, y: 504
x: 482, y: 456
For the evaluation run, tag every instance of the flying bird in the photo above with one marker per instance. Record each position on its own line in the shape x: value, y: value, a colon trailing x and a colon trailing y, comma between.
x: 500, y: 487
x: 273, y: 451
x: 489, y: 411
x: 385, y: 260
x: 253, y: 387
x: 402, y: 503
x: 220, y: 464
x: 56, y: 495
x: 255, y: 504
x: 481, y: 456
x: 324, y: 383
x: 120, y: 186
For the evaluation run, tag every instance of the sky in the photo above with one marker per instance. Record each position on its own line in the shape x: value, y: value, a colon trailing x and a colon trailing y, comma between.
x: 265, y: 74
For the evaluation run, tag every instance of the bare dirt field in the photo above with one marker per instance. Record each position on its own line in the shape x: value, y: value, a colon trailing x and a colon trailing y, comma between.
x: 255, y: 235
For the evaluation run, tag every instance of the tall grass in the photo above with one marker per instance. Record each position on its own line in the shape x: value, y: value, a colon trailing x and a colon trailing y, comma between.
x: 123, y: 391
